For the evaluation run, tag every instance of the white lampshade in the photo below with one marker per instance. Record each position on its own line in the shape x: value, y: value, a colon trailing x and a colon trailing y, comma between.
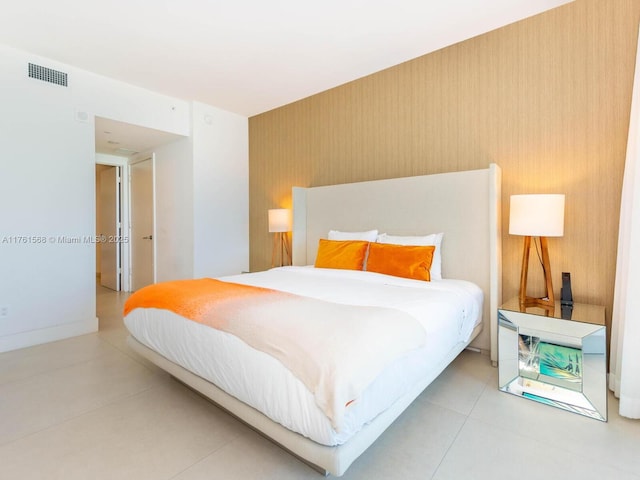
x: 540, y: 215
x: 279, y: 220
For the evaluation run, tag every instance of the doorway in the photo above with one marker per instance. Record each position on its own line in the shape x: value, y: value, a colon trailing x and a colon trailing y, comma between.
x: 115, y: 247
x: 126, y: 145
x: 125, y: 235
x: 108, y: 238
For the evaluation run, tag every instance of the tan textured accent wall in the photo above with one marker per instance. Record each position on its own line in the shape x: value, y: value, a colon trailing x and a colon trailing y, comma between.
x: 547, y: 99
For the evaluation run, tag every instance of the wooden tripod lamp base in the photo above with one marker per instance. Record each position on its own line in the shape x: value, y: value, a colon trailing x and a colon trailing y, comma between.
x: 280, y: 253
x: 547, y: 301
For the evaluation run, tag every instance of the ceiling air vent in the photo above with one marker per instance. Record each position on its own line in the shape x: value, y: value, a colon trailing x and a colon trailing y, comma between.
x: 47, y: 74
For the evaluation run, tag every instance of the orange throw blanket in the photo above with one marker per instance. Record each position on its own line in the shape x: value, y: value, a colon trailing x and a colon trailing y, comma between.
x: 192, y: 299
x: 336, y: 350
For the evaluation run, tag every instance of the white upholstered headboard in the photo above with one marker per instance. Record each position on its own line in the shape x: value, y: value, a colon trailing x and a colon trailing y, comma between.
x: 463, y: 205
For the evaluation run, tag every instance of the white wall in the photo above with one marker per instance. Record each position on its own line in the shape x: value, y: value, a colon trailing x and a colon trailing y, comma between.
x: 202, y: 198
x: 47, y: 191
x: 220, y: 192
x: 107, y: 98
x: 174, y: 211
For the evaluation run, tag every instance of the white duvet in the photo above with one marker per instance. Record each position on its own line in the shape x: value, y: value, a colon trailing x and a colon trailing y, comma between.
x: 448, y: 310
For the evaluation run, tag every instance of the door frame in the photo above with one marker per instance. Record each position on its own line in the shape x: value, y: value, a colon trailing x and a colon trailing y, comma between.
x: 125, y: 247
x: 143, y: 158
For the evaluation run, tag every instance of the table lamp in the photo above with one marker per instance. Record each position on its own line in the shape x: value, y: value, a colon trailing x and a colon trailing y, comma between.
x: 540, y: 215
x: 280, y: 224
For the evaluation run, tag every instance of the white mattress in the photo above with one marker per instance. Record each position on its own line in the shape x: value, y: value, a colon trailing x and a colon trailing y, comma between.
x: 448, y: 309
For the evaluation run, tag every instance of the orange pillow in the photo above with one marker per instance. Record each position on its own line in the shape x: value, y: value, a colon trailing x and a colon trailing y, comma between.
x: 401, y: 260
x: 346, y: 255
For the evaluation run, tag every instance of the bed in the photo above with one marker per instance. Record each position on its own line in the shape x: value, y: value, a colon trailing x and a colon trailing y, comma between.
x: 432, y: 322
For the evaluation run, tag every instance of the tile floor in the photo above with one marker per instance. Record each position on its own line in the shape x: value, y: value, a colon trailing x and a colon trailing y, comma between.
x: 89, y: 408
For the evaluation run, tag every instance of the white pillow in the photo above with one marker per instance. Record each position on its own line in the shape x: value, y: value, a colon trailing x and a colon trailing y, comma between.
x: 420, y: 241
x: 368, y: 236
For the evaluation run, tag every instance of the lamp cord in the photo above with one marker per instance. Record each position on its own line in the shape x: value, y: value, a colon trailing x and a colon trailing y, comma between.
x: 538, y: 248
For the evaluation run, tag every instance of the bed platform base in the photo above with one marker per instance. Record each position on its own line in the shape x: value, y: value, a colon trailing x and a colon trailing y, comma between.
x: 324, y: 459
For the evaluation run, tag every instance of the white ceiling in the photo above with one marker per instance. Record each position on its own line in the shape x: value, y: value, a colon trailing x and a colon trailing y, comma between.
x: 247, y: 56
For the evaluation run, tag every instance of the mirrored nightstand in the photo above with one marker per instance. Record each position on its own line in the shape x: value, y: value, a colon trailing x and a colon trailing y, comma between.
x: 554, y: 357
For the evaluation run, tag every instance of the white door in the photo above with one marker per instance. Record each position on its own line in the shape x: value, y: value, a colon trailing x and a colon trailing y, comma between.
x: 142, y: 224
x: 109, y: 229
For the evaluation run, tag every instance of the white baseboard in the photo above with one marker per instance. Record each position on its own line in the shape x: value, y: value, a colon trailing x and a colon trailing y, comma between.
x: 46, y: 335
